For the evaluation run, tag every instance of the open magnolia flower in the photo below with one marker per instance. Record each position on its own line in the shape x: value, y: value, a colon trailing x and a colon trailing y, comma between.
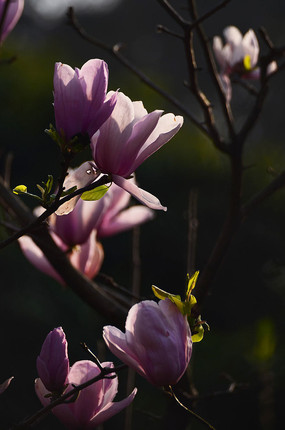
x: 128, y: 137
x: 12, y: 16
x: 238, y: 55
x: 80, y: 103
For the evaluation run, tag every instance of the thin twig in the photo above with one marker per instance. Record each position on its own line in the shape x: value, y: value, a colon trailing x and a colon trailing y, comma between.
x: 213, y: 70
x: 198, y: 417
x: 115, y: 51
x: 173, y: 13
x: 162, y: 29
x: 210, y: 13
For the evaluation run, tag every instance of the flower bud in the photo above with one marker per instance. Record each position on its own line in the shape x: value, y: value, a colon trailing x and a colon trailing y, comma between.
x: 157, y: 342
x: 53, y: 363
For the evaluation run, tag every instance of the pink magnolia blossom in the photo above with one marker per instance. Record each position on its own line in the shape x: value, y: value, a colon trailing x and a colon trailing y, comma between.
x: 53, y: 362
x: 238, y: 55
x: 87, y: 257
x: 12, y: 16
x: 94, y: 405
x: 128, y: 137
x: 157, y: 342
x: 80, y: 103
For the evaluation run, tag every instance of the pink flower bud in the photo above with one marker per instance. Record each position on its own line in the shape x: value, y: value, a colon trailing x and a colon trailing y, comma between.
x: 12, y: 16
x: 53, y: 363
x: 157, y: 342
x: 94, y: 405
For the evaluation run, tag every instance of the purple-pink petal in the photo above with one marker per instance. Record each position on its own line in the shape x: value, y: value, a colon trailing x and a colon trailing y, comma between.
x: 125, y: 220
x: 13, y: 14
x: 141, y: 195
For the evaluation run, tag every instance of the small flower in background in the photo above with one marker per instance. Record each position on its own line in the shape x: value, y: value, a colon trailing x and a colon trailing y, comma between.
x: 53, y: 362
x: 157, y: 342
x: 13, y: 14
x: 128, y: 137
x: 80, y: 103
x: 94, y: 404
x: 239, y: 55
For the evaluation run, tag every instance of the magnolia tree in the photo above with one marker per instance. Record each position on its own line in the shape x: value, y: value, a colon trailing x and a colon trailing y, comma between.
x: 63, y: 236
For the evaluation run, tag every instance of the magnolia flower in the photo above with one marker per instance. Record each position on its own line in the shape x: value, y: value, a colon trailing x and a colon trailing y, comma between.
x: 87, y: 258
x: 157, y: 342
x: 80, y: 103
x: 238, y: 55
x: 94, y: 405
x: 12, y: 16
x: 53, y: 363
x: 128, y: 137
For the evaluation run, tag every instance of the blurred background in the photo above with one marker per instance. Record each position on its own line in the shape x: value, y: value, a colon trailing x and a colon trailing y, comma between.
x: 246, y: 307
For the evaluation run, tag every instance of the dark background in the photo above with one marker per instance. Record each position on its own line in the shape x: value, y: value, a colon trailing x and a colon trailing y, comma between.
x: 246, y: 307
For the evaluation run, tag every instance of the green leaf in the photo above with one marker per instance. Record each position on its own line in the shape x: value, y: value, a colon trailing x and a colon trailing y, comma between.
x: 20, y: 189
x: 198, y: 336
x: 191, y: 285
x: 41, y: 189
x: 95, y: 194
x: 49, y: 184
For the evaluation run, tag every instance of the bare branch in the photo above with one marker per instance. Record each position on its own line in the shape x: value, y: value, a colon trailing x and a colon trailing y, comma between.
x: 115, y: 51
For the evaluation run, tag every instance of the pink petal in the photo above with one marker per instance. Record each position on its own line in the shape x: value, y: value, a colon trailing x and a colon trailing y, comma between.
x: 13, y: 15
x: 142, y: 130
x: 232, y: 35
x: 116, y: 342
x: 37, y: 257
x: 141, y: 195
x: 126, y: 220
x: 111, y: 409
x: 80, y: 177
x: 219, y: 52
x: 167, y: 126
x: 68, y: 100
x: 108, y: 145
x: 88, y: 257
x: 251, y: 46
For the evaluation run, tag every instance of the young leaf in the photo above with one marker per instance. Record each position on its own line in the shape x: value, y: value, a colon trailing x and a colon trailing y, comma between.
x: 20, y: 189
x: 95, y: 194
